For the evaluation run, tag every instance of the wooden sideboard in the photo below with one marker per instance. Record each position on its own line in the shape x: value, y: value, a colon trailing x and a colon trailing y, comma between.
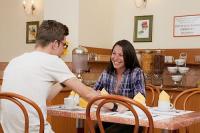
x: 191, y: 53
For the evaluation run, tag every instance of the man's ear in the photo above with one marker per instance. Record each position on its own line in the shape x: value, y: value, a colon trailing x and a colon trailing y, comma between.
x: 54, y: 44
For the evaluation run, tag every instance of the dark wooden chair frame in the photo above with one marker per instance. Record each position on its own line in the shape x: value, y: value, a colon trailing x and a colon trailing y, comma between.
x: 15, y: 98
x: 190, y: 92
x: 127, y: 102
x: 154, y: 91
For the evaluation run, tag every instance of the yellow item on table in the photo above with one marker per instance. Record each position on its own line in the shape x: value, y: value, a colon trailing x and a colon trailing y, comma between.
x: 72, y: 93
x: 104, y: 92
x: 139, y: 98
x: 164, y: 96
x: 82, y: 102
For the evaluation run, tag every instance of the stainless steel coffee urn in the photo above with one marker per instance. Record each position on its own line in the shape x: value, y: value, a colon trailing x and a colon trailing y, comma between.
x: 80, y: 60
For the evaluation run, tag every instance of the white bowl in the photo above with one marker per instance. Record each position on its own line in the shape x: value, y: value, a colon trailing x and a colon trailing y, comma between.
x: 172, y: 69
x: 183, y: 70
x: 176, y: 78
x: 180, y: 62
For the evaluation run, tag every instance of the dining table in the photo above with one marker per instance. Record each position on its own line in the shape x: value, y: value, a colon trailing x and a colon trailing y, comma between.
x: 170, y: 120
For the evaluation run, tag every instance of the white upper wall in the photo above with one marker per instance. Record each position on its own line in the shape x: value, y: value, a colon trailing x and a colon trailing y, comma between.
x: 122, y: 22
x: 13, y: 28
x: 67, y: 12
x: 95, y: 23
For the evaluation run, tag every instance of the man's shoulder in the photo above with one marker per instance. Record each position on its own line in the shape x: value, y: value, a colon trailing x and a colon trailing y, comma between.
x: 17, y: 58
x: 34, y: 58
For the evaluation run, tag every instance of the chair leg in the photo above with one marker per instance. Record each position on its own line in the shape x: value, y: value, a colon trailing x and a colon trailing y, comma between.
x: 174, y: 131
x: 1, y: 129
x: 145, y: 129
x: 187, y: 129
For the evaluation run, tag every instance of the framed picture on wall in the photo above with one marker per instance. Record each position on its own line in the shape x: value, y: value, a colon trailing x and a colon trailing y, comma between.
x: 31, y: 31
x: 143, y: 28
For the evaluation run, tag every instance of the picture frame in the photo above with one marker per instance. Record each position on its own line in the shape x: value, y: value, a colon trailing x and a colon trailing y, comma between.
x: 186, y: 26
x: 31, y: 31
x: 143, y: 28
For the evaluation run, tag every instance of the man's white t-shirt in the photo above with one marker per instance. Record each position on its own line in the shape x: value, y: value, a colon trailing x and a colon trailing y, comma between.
x: 31, y: 75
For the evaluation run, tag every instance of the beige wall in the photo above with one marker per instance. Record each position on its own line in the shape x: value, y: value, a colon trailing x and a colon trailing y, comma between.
x: 67, y: 12
x: 96, y: 23
x: 119, y: 21
x: 13, y: 28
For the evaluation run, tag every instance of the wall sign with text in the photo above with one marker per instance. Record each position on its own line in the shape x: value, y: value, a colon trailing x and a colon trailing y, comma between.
x: 188, y: 25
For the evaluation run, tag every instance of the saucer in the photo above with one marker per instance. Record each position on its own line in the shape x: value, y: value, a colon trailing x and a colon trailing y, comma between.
x: 69, y: 107
x: 138, y: 110
x: 163, y: 110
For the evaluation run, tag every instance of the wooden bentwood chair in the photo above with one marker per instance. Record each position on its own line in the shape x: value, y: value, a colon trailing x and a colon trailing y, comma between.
x: 15, y: 98
x: 153, y: 95
x: 127, y: 102
x: 187, y: 94
x: 184, y: 98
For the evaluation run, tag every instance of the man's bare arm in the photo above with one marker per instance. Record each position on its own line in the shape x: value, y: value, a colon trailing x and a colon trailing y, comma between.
x: 54, y: 91
x: 88, y: 93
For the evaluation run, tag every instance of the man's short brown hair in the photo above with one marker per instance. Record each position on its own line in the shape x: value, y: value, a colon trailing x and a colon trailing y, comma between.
x: 49, y: 31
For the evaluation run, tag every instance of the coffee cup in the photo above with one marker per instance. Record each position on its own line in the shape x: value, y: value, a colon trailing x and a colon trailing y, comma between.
x: 69, y: 102
x: 180, y: 62
x: 165, y: 106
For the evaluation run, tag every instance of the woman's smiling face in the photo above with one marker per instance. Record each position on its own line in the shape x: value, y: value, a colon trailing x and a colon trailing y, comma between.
x: 117, y: 58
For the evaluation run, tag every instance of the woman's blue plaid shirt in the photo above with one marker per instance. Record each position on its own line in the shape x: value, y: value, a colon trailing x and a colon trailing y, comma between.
x: 132, y: 82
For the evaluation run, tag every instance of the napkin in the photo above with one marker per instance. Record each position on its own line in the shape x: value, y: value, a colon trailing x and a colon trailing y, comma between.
x: 140, y: 98
x: 75, y: 96
x: 104, y: 92
x: 164, y: 96
x: 82, y: 102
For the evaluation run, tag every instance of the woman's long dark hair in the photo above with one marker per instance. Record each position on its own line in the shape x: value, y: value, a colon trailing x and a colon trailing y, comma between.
x: 129, y: 55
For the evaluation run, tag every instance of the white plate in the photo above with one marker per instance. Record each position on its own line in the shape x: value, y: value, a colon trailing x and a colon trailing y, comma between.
x: 161, y: 110
x: 70, y: 107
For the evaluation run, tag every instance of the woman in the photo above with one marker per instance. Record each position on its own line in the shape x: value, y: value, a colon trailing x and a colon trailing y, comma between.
x: 123, y: 76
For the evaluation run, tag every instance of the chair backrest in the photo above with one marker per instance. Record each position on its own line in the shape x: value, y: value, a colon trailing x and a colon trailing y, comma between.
x: 185, y: 96
x: 1, y: 129
x: 15, y: 98
x: 125, y: 101
x: 154, y: 94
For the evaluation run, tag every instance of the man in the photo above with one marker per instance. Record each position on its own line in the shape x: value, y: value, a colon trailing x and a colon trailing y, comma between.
x: 34, y: 75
